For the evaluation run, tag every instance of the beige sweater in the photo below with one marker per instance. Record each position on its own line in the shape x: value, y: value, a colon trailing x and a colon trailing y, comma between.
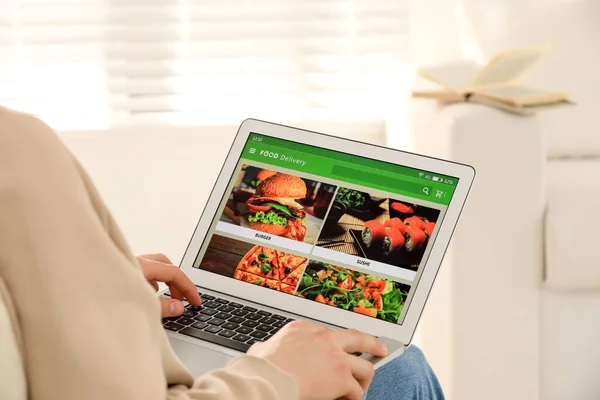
x: 87, y: 323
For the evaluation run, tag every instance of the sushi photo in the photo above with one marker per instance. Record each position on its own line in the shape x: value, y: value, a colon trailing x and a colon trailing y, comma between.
x: 373, y: 233
x: 397, y: 236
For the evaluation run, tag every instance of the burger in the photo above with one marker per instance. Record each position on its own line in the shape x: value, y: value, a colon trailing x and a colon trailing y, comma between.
x: 273, y: 208
x: 261, y: 176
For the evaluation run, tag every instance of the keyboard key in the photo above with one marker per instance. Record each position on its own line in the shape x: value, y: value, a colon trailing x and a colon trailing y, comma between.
x: 202, y: 317
x: 236, y: 320
x: 189, y: 314
x: 212, y: 304
x: 199, y: 325
x: 173, y: 326
x: 258, y: 334
x: 243, y: 329
x: 194, y: 309
x: 287, y: 321
x: 222, y: 301
x: 227, y: 333
x: 241, y: 338
x: 220, y: 340
x: 222, y: 315
x: 185, y: 321
x: 226, y: 308
x: 208, y: 297
x: 251, y: 342
x: 267, y: 337
x: 239, y: 312
x: 250, y: 324
x: 268, y: 320
x: 209, y: 311
x: 230, y: 326
x: 250, y: 309
x: 253, y: 317
x: 264, y: 313
x: 216, y: 321
x: 212, y: 329
x: 274, y: 331
x: 281, y: 317
x: 236, y: 305
x: 279, y: 324
x: 264, y: 328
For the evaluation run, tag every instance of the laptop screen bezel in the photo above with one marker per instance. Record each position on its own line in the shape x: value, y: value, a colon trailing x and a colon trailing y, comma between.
x: 313, y: 310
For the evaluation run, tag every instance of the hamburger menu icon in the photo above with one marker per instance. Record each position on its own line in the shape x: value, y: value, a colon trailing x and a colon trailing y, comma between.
x: 273, y: 208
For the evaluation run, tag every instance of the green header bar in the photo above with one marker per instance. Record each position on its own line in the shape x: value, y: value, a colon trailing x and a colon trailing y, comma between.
x: 349, y: 168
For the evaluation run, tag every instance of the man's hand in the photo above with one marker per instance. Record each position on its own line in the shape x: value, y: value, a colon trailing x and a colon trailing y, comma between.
x: 158, y: 268
x: 320, y: 360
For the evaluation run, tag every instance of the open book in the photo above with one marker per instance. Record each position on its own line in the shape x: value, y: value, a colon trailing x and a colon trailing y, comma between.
x: 496, y: 83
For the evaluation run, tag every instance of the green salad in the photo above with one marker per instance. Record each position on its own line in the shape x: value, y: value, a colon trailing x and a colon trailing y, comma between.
x: 353, y: 290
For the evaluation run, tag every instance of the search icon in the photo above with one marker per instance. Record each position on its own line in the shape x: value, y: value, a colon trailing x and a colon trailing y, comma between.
x: 426, y: 191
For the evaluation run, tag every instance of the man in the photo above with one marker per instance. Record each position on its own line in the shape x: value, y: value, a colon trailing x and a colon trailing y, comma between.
x: 90, y: 326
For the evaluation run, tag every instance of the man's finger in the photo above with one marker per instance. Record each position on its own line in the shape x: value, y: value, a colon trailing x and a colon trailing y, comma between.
x: 354, y: 391
x: 170, y: 307
x: 353, y: 341
x: 175, y: 279
x: 362, y: 370
x: 154, y: 285
x: 175, y: 293
x: 157, y: 257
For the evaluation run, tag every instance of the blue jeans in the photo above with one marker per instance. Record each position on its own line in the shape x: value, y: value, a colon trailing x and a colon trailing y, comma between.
x: 408, y: 377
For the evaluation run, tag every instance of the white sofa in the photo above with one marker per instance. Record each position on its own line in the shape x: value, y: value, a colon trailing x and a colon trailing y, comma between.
x: 515, y: 313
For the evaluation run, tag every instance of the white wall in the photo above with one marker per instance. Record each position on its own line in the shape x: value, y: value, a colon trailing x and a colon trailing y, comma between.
x: 156, y: 180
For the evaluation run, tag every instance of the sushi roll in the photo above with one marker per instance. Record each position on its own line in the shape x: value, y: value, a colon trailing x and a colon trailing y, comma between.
x: 415, y: 221
x: 374, y: 232
x: 429, y: 227
x: 395, y: 223
x: 415, y: 238
x: 393, y: 240
x: 401, y: 210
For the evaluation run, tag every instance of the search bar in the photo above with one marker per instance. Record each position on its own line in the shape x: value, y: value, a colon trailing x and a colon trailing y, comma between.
x: 382, y: 180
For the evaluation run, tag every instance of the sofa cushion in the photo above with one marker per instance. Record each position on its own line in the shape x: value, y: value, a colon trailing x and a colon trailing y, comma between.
x: 569, y: 354
x: 572, y: 221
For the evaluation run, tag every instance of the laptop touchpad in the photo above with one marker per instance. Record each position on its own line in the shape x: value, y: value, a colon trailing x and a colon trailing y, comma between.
x: 197, y: 359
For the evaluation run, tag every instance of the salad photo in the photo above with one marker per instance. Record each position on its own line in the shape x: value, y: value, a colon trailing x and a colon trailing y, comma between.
x: 353, y: 291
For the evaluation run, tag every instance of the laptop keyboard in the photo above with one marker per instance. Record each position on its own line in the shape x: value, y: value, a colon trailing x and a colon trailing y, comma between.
x: 226, y: 323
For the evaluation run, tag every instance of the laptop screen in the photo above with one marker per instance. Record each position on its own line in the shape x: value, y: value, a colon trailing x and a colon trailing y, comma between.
x: 329, y: 227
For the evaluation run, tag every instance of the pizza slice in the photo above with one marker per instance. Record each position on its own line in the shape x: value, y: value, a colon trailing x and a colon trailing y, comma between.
x: 272, y: 284
x: 288, y: 263
x: 250, y: 278
x: 289, y: 289
x: 294, y: 277
x: 289, y: 260
x: 260, y: 261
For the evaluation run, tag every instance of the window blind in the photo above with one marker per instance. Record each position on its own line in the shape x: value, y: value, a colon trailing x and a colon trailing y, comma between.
x: 87, y: 64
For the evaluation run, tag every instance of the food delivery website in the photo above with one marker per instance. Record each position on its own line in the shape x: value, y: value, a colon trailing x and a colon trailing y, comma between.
x: 339, y: 229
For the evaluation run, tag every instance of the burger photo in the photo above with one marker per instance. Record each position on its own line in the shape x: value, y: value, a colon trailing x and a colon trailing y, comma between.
x: 273, y: 208
x: 261, y: 176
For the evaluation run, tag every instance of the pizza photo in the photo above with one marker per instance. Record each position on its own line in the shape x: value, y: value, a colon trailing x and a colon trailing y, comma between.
x: 271, y: 268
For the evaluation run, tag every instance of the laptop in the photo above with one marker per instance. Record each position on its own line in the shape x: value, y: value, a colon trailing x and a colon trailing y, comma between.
x: 306, y: 226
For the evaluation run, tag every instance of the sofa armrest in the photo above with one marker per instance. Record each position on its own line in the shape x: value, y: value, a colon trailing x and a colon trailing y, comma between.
x: 481, y: 320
